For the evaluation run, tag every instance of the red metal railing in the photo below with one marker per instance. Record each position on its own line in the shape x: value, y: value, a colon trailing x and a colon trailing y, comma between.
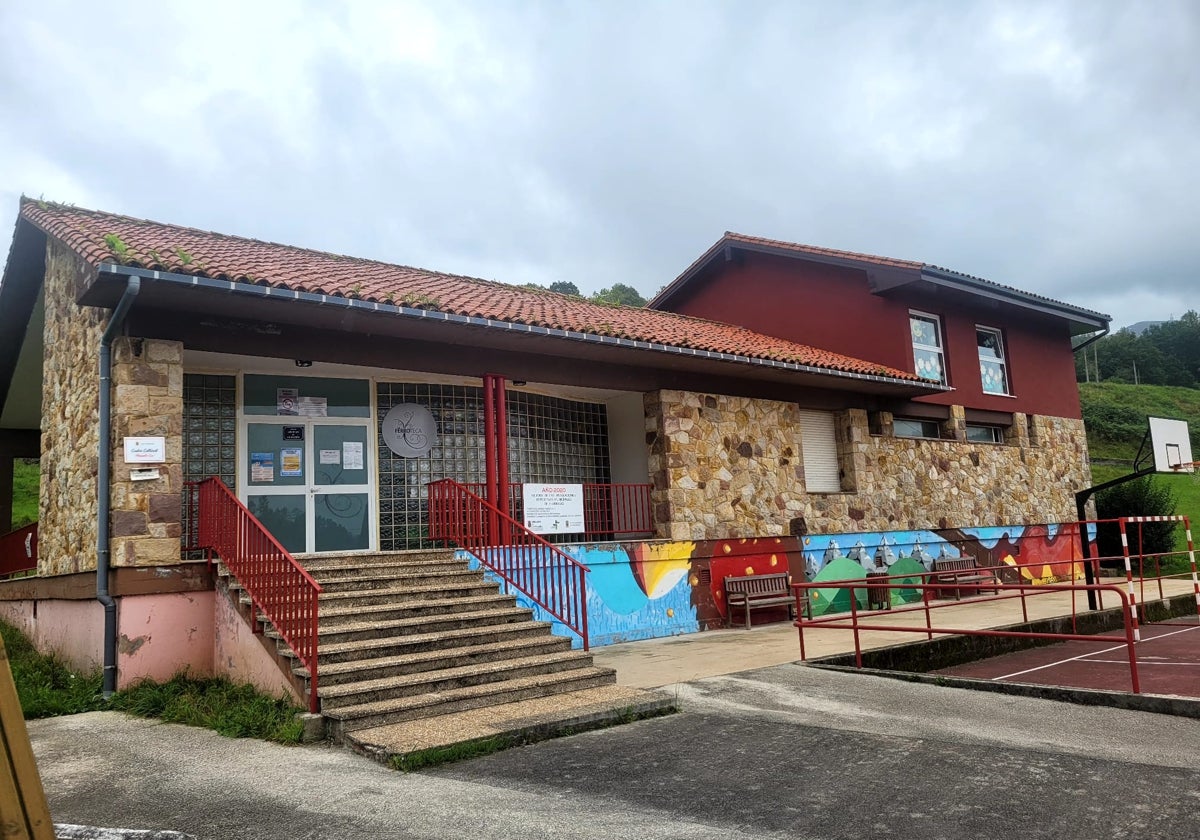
x: 609, y: 510
x: 553, y: 579
x: 278, y: 587
x: 18, y: 551
x: 1004, y: 592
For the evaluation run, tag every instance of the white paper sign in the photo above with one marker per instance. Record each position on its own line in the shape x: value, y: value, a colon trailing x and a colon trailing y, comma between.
x: 352, y: 455
x: 331, y: 456
x: 553, y: 508
x: 312, y: 407
x: 145, y: 450
x: 291, y: 463
x: 285, y: 401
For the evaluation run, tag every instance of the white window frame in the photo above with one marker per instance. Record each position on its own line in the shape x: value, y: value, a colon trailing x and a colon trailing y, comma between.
x: 939, y: 349
x: 1002, y: 361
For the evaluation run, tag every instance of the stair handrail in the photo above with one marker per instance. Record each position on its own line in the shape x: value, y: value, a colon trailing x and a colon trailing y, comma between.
x: 277, y: 585
x: 547, y: 575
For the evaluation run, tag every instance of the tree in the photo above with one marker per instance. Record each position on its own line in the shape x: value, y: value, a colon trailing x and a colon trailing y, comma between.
x: 619, y: 293
x: 1139, y: 497
x: 565, y: 287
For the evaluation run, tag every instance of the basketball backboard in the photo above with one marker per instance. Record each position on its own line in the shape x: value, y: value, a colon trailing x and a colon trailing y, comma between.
x: 1172, y: 446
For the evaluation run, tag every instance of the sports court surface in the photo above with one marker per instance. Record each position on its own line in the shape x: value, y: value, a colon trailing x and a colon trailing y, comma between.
x: 1168, y: 662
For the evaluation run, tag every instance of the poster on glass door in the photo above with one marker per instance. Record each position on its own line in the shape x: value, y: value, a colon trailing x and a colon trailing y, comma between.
x: 553, y: 508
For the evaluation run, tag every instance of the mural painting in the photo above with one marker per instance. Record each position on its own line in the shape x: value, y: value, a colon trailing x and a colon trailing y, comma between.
x: 648, y: 590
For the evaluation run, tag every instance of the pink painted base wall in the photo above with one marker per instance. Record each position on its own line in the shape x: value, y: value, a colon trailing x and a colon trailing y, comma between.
x: 72, y: 630
x: 160, y: 635
x: 157, y: 637
x: 245, y: 657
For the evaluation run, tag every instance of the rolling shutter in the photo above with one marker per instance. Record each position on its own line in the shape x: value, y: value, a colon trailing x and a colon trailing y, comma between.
x: 819, y: 445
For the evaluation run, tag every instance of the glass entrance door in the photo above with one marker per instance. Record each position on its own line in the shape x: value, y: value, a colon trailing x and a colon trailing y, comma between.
x: 309, y: 482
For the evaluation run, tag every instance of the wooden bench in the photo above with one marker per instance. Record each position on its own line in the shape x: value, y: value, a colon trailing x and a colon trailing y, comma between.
x: 756, y: 591
x: 961, y: 570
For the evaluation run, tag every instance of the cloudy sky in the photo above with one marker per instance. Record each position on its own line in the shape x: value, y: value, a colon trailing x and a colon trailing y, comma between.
x: 1050, y: 146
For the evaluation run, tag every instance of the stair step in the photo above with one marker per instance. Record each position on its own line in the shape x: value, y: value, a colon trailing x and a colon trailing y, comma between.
x: 350, y: 718
x: 449, y: 679
x: 335, y: 673
x: 352, y: 651
x: 334, y: 616
x: 358, y: 631
x: 333, y: 571
x: 401, y: 579
x: 368, y: 558
x: 439, y: 591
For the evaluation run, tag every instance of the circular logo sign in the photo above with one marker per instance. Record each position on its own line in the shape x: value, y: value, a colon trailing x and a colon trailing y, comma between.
x: 409, y: 430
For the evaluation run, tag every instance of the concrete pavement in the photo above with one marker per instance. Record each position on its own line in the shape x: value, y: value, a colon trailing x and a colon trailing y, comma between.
x: 786, y: 751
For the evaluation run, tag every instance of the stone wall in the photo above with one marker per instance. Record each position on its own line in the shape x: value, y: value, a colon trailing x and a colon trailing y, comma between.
x: 70, y: 403
x: 147, y: 402
x: 726, y: 467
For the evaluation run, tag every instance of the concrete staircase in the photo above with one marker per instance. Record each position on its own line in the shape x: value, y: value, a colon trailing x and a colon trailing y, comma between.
x: 411, y: 636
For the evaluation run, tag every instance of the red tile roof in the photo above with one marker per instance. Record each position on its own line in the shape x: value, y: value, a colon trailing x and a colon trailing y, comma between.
x: 107, y: 238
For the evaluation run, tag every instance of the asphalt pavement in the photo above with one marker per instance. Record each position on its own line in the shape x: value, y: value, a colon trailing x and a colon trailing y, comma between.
x: 785, y: 751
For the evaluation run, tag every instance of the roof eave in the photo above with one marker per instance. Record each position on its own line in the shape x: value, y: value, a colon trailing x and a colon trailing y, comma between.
x: 917, y: 387
x: 1086, y: 319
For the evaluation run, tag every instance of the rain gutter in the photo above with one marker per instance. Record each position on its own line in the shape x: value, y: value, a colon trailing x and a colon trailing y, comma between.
x: 433, y: 315
x: 103, y: 481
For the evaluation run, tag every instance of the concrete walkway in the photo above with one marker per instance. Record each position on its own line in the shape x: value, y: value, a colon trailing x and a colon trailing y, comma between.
x: 654, y: 663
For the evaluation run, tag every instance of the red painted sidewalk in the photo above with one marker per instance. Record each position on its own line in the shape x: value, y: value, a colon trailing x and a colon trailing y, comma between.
x: 1168, y: 661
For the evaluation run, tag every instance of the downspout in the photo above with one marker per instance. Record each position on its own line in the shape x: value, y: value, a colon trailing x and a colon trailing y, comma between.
x: 103, y: 480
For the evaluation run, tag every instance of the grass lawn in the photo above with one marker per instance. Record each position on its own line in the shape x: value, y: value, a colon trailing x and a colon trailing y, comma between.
x: 46, y: 687
x: 1187, y: 496
x: 26, y: 474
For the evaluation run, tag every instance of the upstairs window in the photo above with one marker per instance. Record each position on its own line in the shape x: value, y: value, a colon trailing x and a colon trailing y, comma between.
x: 993, y: 369
x: 928, y: 356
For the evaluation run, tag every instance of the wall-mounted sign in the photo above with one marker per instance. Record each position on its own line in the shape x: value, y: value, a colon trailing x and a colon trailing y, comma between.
x: 285, y: 401
x: 553, y: 508
x: 409, y: 430
x: 291, y: 462
x: 144, y: 474
x: 262, y: 466
x: 145, y: 450
x: 293, y: 433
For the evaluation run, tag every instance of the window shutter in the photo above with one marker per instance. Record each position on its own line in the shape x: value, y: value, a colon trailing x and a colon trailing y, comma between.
x: 819, y: 445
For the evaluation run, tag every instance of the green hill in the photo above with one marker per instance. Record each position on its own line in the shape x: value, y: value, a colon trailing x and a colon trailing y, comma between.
x: 1116, y: 422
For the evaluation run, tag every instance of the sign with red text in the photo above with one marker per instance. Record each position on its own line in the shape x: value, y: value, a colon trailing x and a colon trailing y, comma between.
x: 553, y: 508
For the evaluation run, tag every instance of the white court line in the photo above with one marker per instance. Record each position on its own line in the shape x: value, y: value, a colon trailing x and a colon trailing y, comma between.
x: 1092, y: 653
x: 1142, y: 663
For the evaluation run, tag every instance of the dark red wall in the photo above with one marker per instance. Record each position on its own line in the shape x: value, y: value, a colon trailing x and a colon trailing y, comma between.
x: 832, y: 308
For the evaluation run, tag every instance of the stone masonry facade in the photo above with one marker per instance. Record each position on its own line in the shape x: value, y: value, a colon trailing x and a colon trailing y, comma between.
x: 70, y: 404
x: 147, y: 400
x: 727, y: 467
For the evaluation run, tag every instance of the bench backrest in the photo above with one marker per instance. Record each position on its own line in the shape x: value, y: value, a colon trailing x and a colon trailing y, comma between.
x: 774, y: 584
x: 23, y: 811
x: 965, y: 564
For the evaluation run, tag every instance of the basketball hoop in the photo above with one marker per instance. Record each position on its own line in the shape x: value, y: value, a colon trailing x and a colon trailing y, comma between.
x: 1188, y: 467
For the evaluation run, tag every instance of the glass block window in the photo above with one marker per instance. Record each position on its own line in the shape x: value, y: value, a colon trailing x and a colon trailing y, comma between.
x: 928, y: 356
x: 993, y: 369
x: 549, y: 439
x: 209, y: 439
x: 210, y: 427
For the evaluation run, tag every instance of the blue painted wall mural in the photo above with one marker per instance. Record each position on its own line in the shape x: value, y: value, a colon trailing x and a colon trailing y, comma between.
x: 647, y: 590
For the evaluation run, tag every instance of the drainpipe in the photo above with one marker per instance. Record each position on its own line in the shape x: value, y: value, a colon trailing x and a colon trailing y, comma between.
x: 102, y: 485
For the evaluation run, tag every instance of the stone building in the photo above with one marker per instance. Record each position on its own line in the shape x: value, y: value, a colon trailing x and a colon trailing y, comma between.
x: 853, y: 400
